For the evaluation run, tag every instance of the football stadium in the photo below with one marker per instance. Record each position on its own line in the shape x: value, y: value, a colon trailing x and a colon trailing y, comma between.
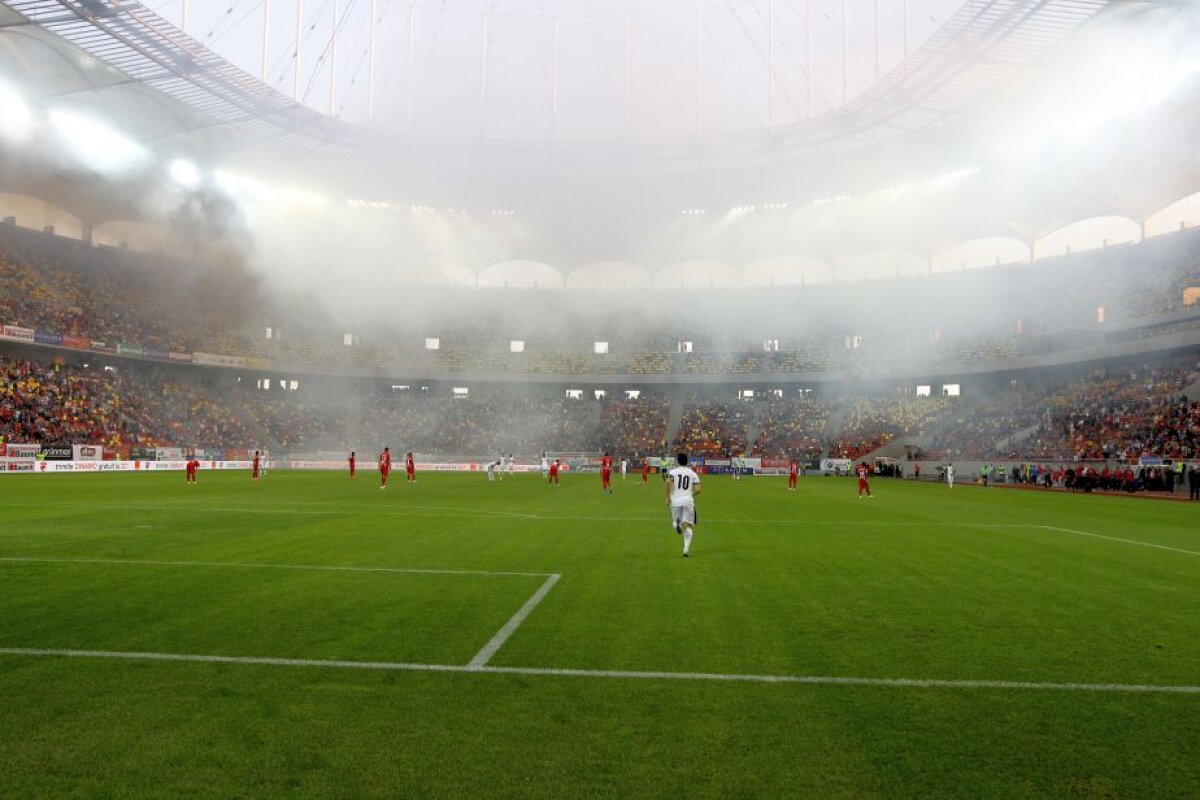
x: 600, y: 398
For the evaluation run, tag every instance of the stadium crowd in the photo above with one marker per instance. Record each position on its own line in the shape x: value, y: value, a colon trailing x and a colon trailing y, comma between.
x: 872, y: 422
x: 101, y: 294
x: 792, y: 428
x: 50, y: 403
x: 713, y: 428
x: 1110, y: 414
x: 635, y: 426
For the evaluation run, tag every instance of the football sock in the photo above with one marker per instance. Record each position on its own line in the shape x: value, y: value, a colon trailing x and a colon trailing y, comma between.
x: 687, y: 538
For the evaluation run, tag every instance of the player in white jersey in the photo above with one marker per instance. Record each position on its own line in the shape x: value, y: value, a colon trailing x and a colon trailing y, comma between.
x: 545, y: 466
x: 950, y: 475
x: 683, y: 484
x: 512, y: 460
x: 624, y: 467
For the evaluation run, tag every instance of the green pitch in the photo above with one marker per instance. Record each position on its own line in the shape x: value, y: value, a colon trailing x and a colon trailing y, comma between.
x: 1038, y: 632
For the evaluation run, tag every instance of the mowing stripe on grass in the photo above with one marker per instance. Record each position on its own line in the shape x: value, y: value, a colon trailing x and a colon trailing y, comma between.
x: 1119, y: 539
x: 485, y: 655
x: 810, y: 680
x: 445, y: 511
x: 316, y: 567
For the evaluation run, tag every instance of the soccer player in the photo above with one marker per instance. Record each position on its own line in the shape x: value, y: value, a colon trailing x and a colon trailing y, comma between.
x: 950, y: 475
x: 624, y: 467
x: 736, y: 463
x: 646, y: 470
x: 410, y: 468
x: 351, y: 463
x: 385, y: 466
x: 683, y: 485
x: 545, y: 466
x: 192, y: 466
x: 554, y: 471
x: 254, y: 466
x: 512, y: 462
x: 266, y: 462
x: 491, y: 469
x: 863, y: 473
x: 793, y: 474
x: 606, y: 473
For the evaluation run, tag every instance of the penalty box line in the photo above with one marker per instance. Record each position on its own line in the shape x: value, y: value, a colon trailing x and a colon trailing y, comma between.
x: 481, y: 658
x: 1074, y: 532
x: 805, y: 680
x: 485, y: 655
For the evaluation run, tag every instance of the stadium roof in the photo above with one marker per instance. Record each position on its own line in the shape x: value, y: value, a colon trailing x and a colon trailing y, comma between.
x: 138, y: 59
x: 981, y: 44
x: 607, y: 201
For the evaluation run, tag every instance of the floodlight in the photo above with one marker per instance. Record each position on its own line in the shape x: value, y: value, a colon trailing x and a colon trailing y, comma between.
x: 184, y: 173
x: 95, y: 143
x: 16, y: 117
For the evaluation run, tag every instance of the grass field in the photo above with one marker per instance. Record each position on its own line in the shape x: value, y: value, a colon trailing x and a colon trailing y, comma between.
x: 1011, y: 644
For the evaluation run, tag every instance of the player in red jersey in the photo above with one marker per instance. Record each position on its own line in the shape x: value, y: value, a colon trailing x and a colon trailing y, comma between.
x: 793, y: 474
x: 351, y: 463
x: 410, y: 468
x: 645, y: 470
x: 606, y: 473
x: 385, y: 466
x: 254, y: 466
x: 554, y: 465
x: 192, y: 466
x: 863, y: 473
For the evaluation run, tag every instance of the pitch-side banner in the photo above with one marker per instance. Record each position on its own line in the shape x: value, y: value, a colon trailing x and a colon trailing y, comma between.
x: 87, y: 452
x: 21, y: 450
x: 367, y: 466
x: 58, y: 452
x: 218, y: 360
x: 58, y: 467
x: 20, y: 334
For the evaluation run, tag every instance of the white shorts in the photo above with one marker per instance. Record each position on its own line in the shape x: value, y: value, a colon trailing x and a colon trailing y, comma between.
x: 682, y: 514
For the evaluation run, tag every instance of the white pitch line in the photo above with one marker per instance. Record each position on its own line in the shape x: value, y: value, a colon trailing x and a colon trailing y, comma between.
x: 485, y: 655
x: 1119, y: 539
x: 809, y: 680
x: 244, y: 565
